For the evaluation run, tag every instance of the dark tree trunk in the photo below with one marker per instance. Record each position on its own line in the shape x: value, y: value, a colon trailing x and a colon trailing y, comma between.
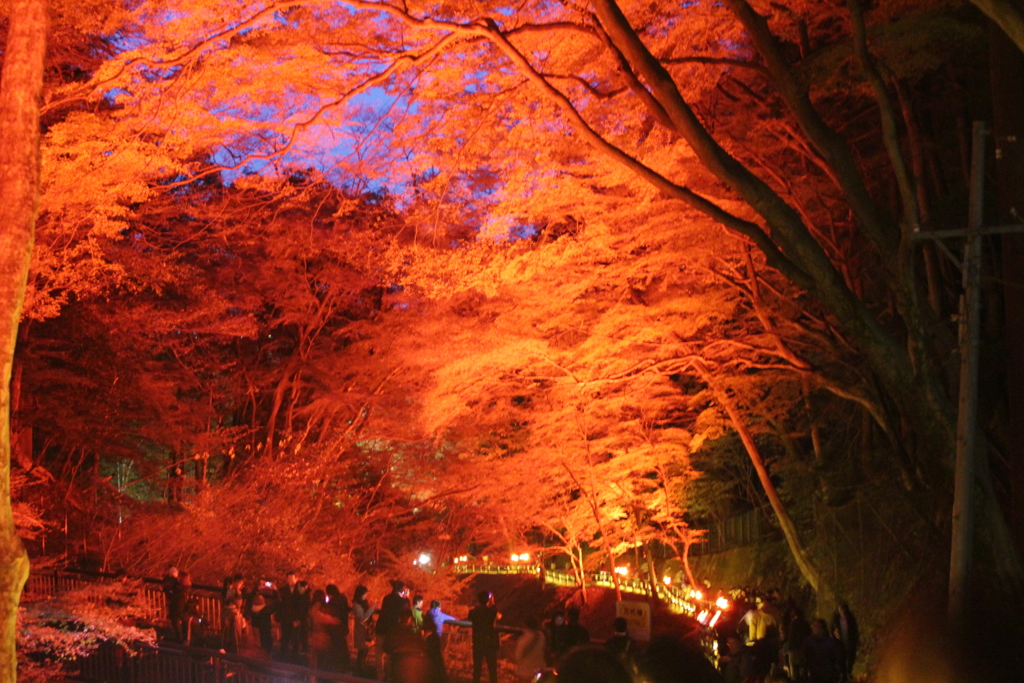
x: 21, y: 88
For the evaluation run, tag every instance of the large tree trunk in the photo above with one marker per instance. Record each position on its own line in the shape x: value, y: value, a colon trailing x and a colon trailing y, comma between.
x: 800, y: 555
x: 792, y: 249
x: 21, y: 86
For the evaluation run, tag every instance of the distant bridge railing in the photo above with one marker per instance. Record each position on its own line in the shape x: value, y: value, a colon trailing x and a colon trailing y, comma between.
x: 678, y: 599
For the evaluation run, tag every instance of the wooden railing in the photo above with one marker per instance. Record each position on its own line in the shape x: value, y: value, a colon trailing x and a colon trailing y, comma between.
x: 53, y: 583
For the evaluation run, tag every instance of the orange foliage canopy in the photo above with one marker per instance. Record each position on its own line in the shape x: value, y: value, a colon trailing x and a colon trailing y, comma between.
x: 535, y: 308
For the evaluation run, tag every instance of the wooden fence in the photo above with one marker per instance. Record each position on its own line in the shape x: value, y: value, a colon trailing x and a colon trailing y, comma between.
x: 53, y: 583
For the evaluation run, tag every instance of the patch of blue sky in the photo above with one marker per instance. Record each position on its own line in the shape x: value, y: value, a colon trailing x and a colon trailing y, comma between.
x: 111, y: 96
x: 351, y: 143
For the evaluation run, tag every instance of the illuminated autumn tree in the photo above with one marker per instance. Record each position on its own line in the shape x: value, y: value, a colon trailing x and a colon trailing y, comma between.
x: 586, y: 71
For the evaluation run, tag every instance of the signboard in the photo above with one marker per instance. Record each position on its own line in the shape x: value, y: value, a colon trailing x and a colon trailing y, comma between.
x: 638, y: 616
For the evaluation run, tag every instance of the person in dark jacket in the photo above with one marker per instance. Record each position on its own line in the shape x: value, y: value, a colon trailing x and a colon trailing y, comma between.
x: 620, y: 644
x: 392, y: 607
x: 575, y: 635
x: 845, y: 630
x: 171, y: 587
x: 554, y: 634
x: 797, y: 632
x: 737, y: 662
x: 823, y: 655
x: 291, y: 615
x: 263, y: 605
x: 408, y: 659
x: 485, y: 637
x: 337, y: 606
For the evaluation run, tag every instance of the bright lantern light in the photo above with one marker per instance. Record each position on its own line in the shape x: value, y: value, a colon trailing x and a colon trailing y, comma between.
x: 524, y: 557
x: 465, y: 558
x: 515, y: 558
x: 697, y: 595
x: 622, y: 571
x: 722, y: 603
x: 424, y: 558
x: 667, y: 580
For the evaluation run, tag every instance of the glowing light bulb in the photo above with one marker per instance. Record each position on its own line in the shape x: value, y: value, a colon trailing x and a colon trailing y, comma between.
x: 524, y: 557
x: 423, y: 559
x: 722, y: 603
x: 515, y: 558
x: 667, y: 580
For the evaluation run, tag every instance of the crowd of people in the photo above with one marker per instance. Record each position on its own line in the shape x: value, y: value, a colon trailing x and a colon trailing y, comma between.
x: 322, y: 628
x: 774, y: 641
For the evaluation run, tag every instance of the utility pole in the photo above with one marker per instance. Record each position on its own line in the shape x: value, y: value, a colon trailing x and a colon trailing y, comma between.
x: 961, y: 557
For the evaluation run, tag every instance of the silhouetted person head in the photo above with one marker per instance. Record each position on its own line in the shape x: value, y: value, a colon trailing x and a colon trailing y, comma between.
x: 671, y: 658
x: 620, y: 624
x: 572, y: 615
x: 332, y: 592
x: 360, y: 593
x: 592, y: 665
x: 435, y: 603
x: 397, y: 587
x: 291, y: 579
x: 319, y: 597
x: 819, y: 629
x: 417, y: 600
x: 483, y: 597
